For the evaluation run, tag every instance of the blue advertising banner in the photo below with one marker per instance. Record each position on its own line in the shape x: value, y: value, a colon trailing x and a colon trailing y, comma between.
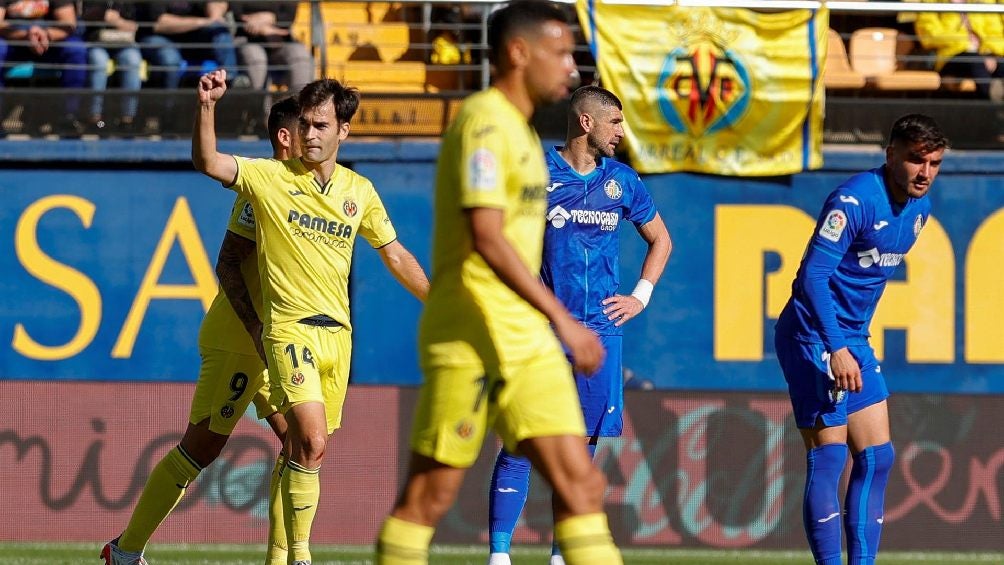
x: 737, y: 247
x: 107, y: 273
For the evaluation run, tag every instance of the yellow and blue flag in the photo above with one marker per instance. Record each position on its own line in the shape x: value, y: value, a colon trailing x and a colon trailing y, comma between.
x: 726, y: 91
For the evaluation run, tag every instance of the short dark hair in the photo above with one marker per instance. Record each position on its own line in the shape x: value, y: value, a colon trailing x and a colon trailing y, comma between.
x: 345, y: 98
x: 918, y: 128
x: 283, y: 114
x: 591, y: 93
x: 518, y: 17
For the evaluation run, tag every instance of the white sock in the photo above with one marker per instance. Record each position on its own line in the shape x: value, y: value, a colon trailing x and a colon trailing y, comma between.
x: 557, y: 560
x: 499, y: 559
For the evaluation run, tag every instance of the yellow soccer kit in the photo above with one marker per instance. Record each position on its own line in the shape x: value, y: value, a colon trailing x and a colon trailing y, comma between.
x: 306, y: 234
x: 231, y: 374
x: 485, y: 351
x: 219, y: 325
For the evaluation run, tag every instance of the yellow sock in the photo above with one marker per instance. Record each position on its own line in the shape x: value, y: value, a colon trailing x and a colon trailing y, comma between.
x: 277, y: 547
x: 163, y: 490
x: 403, y: 543
x: 301, y: 489
x: 586, y: 540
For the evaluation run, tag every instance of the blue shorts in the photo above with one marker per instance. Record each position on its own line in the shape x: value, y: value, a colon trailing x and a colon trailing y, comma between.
x: 806, y: 367
x: 602, y: 394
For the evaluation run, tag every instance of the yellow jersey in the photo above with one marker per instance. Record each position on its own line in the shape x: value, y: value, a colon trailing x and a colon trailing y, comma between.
x: 306, y: 233
x: 490, y: 157
x: 221, y: 328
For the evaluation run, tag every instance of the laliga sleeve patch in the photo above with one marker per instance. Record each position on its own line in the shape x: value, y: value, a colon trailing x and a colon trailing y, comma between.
x: 483, y: 170
x: 833, y: 225
x: 246, y: 218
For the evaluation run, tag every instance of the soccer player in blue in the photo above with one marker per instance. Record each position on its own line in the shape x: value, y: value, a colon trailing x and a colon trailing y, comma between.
x: 588, y: 195
x: 838, y: 393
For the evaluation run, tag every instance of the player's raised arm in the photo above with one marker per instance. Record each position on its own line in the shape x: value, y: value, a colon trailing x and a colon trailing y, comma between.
x: 405, y: 268
x: 205, y: 157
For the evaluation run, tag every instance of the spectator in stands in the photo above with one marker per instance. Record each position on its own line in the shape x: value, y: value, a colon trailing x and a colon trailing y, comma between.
x: 171, y: 33
x: 967, y: 45
x: 44, y: 32
x: 448, y: 42
x: 269, y: 45
x: 111, y: 31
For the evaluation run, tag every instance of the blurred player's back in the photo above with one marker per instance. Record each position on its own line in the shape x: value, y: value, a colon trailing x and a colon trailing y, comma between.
x: 468, y: 304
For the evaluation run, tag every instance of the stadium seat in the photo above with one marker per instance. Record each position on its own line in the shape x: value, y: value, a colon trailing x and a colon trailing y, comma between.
x: 362, y: 46
x: 379, y: 10
x: 838, y: 73
x: 355, y: 30
x: 873, y: 54
x: 379, y: 76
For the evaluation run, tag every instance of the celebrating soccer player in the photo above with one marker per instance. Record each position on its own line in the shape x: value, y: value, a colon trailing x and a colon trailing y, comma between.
x: 489, y: 355
x: 588, y: 196
x: 232, y: 375
x: 308, y: 212
x: 837, y: 390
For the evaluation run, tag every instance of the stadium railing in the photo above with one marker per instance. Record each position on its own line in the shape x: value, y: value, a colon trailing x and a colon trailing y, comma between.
x: 413, y: 60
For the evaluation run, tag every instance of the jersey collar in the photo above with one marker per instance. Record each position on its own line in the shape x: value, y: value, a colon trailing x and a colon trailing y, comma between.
x: 562, y: 165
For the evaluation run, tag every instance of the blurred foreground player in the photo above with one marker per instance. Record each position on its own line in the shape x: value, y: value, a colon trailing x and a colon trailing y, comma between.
x: 588, y: 196
x: 486, y: 346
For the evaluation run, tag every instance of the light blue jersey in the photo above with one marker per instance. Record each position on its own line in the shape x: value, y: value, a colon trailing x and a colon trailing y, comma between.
x: 581, y: 243
x: 860, y: 239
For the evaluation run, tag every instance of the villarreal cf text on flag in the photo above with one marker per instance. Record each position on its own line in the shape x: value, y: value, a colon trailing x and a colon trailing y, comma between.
x: 725, y: 91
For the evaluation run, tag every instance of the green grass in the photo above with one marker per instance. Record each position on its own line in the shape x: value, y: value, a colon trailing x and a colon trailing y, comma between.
x: 168, y: 554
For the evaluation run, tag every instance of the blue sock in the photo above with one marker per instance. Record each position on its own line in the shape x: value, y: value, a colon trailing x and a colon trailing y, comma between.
x: 554, y: 543
x: 821, y: 505
x: 866, y: 501
x: 509, y: 487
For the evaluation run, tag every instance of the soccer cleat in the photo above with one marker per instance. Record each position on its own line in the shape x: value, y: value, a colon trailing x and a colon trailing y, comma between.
x: 113, y: 555
x: 499, y: 559
x: 301, y: 562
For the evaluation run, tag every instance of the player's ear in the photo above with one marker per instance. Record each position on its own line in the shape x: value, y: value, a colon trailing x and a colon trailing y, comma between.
x: 519, y: 51
x: 343, y: 130
x: 586, y: 122
x: 285, y: 137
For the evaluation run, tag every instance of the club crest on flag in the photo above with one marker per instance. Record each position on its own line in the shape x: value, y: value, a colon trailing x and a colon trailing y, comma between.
x: 704, y: 85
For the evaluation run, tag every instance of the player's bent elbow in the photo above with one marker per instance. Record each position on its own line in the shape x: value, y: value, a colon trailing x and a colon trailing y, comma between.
x: 201, y: 163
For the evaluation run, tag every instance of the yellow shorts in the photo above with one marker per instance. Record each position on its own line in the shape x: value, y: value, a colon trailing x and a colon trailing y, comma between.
x: 310, y: 364
x: 457, y: 405
x: 228, y: 382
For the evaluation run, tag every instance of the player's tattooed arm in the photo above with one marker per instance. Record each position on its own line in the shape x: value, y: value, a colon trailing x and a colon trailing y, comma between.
x: 233, y: 252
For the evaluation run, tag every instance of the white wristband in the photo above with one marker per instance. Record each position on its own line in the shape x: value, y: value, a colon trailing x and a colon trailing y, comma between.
x: 643, y: 292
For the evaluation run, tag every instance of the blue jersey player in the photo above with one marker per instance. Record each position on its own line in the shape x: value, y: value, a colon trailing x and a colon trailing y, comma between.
x: 588, y: 195
x: 838, y: 393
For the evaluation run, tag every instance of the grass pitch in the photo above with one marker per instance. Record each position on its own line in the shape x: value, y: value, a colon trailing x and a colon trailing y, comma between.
x: 172, y: 554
